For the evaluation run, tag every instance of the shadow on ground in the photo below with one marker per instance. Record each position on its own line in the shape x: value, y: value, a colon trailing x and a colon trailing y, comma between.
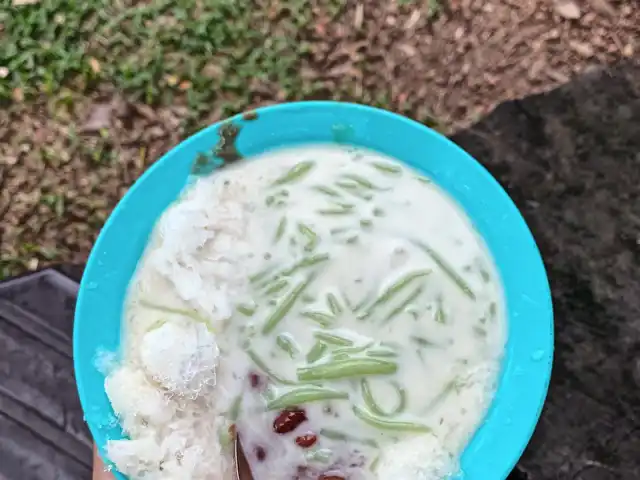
x: 570, y: 159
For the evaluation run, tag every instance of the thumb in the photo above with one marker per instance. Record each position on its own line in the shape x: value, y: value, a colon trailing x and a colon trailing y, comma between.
x: 99, y: 472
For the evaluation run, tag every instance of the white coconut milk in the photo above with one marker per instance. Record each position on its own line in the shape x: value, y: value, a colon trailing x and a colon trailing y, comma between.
x: 332, y: 277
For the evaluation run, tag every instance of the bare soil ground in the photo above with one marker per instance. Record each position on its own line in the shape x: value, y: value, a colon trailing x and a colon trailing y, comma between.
x: 67, y: 154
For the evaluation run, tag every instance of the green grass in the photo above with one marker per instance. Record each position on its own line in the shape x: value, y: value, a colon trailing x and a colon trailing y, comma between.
x: 216, y: 57
x: 210, y: 55
x: 202, y: 51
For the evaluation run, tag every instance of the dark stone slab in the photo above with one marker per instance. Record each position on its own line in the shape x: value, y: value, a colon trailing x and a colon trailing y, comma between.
x: 570, y: 159
x: 48, y: 296
x: 73, y: 271
x: 42, y: 432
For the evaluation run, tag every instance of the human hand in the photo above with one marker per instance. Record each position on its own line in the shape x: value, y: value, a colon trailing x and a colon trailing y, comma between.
x: 99, y: 472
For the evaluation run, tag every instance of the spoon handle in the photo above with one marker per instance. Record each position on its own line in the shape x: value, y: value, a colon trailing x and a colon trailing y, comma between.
x: 243, y: 471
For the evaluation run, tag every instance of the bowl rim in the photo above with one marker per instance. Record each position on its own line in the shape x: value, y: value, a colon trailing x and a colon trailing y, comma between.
x: 523, y: 423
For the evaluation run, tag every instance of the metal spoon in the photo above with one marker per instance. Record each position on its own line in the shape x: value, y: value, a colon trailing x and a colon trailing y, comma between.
x: 243, y: 471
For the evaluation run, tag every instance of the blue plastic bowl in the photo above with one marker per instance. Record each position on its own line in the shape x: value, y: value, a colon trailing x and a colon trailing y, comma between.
x: 499, y: 442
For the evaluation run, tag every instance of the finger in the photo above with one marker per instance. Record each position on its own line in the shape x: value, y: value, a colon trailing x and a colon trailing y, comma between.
x: 99, y: 472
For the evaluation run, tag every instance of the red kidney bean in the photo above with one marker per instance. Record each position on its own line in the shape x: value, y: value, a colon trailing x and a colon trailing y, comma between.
x: 288, y: 420
x: 330, y: 477
x: 306, y: 441
x: 254, y: 380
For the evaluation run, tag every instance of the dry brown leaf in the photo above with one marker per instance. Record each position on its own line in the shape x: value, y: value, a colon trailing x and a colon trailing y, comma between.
x: 581, y: 48
x: 145, y: 111
x: 408, y: 50
x: 567, y: 9
x: 94, y: 64
x: 212, y: 71
x: 557, y: 76
x: 346, y: 70
x: 626, y: 10
x: 413, y: 20
x: 155, y: 132
x: 358, y: 17
x: 99, y: 118
x: 536, y: 68
x: 18, y: 95
x: 171, y: 80
x: 307, y: 73
x: 603, y: 6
